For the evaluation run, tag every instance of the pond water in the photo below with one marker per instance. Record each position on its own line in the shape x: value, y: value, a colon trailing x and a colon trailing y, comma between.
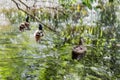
x: 21, y: 58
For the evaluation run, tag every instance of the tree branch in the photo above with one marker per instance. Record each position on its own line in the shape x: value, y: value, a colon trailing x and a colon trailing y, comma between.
x: 24, y: 4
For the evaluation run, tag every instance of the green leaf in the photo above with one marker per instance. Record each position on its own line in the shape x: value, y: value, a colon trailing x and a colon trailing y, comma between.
x: 110, y: 0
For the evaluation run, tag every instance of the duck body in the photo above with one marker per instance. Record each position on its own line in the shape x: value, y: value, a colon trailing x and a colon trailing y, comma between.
x: 22, y: 27
x: 79, y: 51
x: 38, y: 33
x: 25, y: 25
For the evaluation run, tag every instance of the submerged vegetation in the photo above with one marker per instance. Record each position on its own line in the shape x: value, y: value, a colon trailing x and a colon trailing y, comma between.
x: 21, y: 58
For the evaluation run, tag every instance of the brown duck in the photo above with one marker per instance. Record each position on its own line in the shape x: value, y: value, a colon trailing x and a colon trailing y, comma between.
x: 38, y: 33
x: 79, y: 51
x: 25, y: 25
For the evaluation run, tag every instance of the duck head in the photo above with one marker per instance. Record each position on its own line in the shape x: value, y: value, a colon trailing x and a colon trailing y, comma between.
x: 40, y: 27
x: 81, y: 41
x: 27, y: 19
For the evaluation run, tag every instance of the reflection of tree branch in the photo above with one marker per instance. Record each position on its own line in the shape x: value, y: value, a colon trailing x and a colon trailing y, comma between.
x: 24, y: 4
x: 36, y: 18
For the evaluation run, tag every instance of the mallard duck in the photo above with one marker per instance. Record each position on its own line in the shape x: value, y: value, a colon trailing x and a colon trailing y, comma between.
x: 79, y: 51
x: 25, y: 25
x: 38, y: 33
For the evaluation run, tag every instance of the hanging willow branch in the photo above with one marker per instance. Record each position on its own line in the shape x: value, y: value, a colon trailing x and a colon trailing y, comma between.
x: 36, y: 18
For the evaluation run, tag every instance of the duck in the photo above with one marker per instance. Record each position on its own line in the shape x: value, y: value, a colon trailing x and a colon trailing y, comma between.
x: 25, y: 25
x: 39, y: 33
x: 79, y: 51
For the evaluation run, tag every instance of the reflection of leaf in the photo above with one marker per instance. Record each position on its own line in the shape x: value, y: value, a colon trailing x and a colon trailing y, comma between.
x: 84, y: 12
x: 101, y: 33
x: 87, y: 3
x: 110, y: 0
x: 99, y: 7
x: 89, y: 6
x: 68, y: 37
x: 78, y: 7
x: 91, y: 77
